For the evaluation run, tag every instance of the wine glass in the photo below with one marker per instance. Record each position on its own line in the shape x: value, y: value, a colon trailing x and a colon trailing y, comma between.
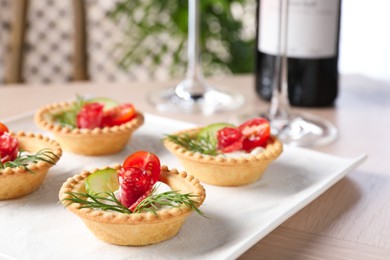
x: 298, y: 129
x: 194, y: 94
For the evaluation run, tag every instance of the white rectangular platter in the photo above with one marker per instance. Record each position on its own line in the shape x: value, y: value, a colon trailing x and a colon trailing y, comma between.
x: 38, y: 227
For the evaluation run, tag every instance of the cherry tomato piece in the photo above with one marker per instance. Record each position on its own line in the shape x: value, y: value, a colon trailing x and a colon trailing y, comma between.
x: 229, y: 139
x: 119, y: 115
x: 256, y: 133
x: 3, y: 128
x: 9, y: 147
x: 90, y: 116
x: 146, y: 161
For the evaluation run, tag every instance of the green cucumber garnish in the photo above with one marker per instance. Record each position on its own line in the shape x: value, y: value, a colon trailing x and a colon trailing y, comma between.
x: 102, y: 181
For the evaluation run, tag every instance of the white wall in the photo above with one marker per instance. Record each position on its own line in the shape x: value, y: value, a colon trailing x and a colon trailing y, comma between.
x: 365, y: 38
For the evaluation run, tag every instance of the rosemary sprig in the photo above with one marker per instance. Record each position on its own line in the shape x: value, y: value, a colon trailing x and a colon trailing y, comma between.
x: 107, y: 201
x: 104, y: 201
x: 68, y: 118
x: 23, y: 160
x: 204, y: 145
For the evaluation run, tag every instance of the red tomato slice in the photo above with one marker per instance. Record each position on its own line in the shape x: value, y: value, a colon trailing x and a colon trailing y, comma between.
x: 146, y: 161
x: 90, y: 116
x: 256, y: 132
x: 229, y: 139
x: 3, y: 128
x: 119, y: 115
x: 9, y: 147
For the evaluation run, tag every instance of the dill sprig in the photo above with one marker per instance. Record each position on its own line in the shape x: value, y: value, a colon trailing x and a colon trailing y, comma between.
x: 104, y: 201
x: 23, y: 159
x: 202, y: 144
x: 107, y: 201
x: 169, y: 198
x: 68, y: 118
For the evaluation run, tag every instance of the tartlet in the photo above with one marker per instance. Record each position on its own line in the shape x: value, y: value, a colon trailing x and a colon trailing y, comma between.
x: 97, y: 141
x: 136, y: 229
x: 221, y: 170
x: 18, y: 181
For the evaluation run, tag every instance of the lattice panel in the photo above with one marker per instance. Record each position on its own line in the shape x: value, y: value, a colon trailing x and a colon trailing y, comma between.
x: 49, y: 42
x: 104, y: 35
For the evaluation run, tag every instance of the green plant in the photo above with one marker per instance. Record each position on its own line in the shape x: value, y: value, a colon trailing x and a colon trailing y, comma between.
x: 156, y: 33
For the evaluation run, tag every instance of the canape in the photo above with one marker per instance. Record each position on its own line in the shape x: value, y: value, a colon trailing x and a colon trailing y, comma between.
x: 104, y: 200
x: 92, y: 127
x: 26, y: 159
x: 225, y: 155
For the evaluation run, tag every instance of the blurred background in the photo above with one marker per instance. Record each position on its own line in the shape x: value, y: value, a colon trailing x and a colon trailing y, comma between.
x: 46, y: 41
x: 365, y: 38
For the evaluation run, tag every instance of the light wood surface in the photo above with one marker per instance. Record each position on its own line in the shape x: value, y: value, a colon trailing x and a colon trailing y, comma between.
x: 349, y: 221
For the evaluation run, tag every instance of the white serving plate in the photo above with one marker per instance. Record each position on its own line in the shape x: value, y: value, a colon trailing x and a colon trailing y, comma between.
x: 38, y: 227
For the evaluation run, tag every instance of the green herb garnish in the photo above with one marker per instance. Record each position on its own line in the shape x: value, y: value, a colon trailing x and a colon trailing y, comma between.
x: 68, y: 118
x: 169, y: 198
x: 202, y: 144
x: 103, y: 201
x: 107, y: 201
x: 23, y: 160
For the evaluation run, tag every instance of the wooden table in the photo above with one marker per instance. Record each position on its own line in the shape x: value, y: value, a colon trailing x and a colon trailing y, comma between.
x: 349, y: 221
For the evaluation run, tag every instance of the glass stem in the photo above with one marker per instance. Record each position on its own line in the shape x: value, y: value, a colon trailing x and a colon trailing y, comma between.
x: 280, y: 105
x: 194, y: 86
x: 193, y: 67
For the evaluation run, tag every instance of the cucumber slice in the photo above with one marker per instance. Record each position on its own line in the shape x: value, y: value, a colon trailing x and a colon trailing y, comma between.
x: 210, y: 131
x: 102, y: 181
x: 107, y: 102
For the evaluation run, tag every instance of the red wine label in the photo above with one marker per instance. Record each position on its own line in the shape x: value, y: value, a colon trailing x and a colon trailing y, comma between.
x: 312, y: 28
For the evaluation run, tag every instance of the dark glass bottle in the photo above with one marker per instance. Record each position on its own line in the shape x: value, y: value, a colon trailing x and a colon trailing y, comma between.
x: 312, y: 52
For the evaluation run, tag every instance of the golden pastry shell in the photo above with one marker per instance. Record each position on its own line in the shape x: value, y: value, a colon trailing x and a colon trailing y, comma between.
x: 17, y: 182
x: 98, y: 141
x: 225, y: 171
x: 136, y: 229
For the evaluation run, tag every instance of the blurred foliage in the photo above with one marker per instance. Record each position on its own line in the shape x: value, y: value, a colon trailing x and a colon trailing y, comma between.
x: 157, y: 30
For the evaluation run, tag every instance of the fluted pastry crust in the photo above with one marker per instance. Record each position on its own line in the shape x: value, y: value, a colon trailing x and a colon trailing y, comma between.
x: 98, y: 141
x: 225, y: 171
x: 16, y: 182
x: 138, y: 228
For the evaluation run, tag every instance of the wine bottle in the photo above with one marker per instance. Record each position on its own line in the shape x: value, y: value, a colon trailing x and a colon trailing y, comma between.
x: 312, y: 50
